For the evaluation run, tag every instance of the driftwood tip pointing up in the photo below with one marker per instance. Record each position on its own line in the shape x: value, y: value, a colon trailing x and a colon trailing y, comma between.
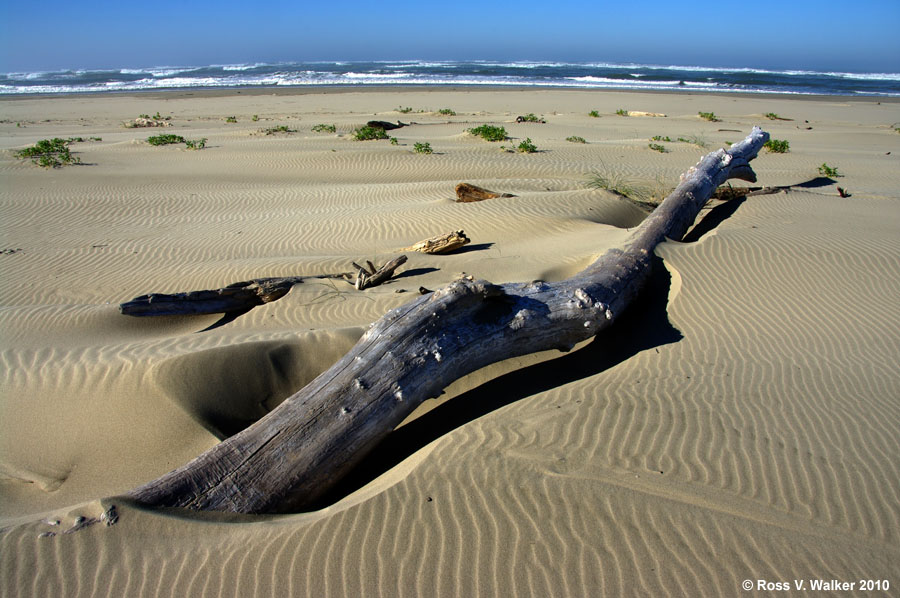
x: 467, y: 192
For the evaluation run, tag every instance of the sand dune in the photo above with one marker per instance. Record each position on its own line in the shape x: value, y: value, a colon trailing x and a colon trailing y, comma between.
x: 740, y: 423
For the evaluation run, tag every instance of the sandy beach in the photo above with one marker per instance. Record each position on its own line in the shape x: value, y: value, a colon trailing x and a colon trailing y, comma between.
x: 740, y: 423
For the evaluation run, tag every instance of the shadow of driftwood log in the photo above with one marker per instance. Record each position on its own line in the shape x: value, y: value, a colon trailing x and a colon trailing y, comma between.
x: 712, y: 219
x: 476, y: 247
x: 415, y: 272
x: 643, y: 327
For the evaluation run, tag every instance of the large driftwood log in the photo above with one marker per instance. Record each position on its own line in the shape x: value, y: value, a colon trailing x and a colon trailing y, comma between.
x: 292, y: 456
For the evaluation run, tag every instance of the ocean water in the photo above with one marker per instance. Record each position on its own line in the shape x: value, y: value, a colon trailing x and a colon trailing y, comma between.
x: 468, y: 73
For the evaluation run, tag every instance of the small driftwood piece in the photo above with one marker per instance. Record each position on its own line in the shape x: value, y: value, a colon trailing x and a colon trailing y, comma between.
x: 383, y: 124
x: 295, y: 454
x: 522, y: 119
x: 235, y: 297
x: 467, y: 192
x: 368, y: 277
x: 445, y: 243
x: 141, y: 122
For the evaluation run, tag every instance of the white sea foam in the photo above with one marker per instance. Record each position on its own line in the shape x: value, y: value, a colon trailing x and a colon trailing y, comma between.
x: 599, y: 75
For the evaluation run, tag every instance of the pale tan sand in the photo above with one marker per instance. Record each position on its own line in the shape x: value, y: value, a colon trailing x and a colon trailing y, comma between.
x: 742, y: 424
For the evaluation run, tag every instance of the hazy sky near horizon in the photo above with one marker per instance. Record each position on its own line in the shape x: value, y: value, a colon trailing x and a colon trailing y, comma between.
x: 786, y: 34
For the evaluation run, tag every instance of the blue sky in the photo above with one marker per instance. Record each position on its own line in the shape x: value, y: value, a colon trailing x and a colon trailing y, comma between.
x: 862, y: 35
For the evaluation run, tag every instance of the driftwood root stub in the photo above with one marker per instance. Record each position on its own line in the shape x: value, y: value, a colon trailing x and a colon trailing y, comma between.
x: 295, y: 454
x: 445, y: 243
x: 369, y: 276
x: 467, y: 192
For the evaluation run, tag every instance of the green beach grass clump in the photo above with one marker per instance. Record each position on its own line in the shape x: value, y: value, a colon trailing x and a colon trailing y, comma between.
x: 710, y: 116
x: 423, y: 148
x: 170, y: 139
x: 195, y: 144
x: 656, y: 147
x: 531, y: 117
x: 660, y: 138
x: 231, y: 119
x: 829, y: 171
x: 594, y: 114
x: 576, y: 139
x: 165, y: 139
x: 446, y: 112
x: 489, y: 132
x: 367, y: 133
x: 324, y: 129
x: 527, y: 147
x: 622, y: 112
x: 699, y: 140
x: 279, y: 129
x: 777, y: 146
x: 49, y: 153
x: 611, y: 182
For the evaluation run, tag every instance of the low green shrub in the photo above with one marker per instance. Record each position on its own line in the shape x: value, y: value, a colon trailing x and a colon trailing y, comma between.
x: 622, y: 112
x: 49, y: 153
x: 367, y: 133
x: 324, y: 129
x: 829, y: 171
x: 197, y: 144
x: 231, y: 119
x: 165, y: 139
x: 658, y: 148
x: 527, y: 147
x: 660, y: 138
x: 576, y: 139
x: 777, y: 146
x: 423, y: 148
x: 446, y: 112
x: 489, y: 132
x: 594, y: 114
x: 710, y: 116
x: 531, y: 117
x: 279, y: 129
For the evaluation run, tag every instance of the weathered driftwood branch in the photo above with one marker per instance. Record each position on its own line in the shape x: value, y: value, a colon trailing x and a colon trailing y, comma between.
x: 241, y: 296
x: 235, y: 297
x: 297, y: 452
x: 467, y: 192
x: 370, y: 277
x: 441, y: 244
x: 383, y: 124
